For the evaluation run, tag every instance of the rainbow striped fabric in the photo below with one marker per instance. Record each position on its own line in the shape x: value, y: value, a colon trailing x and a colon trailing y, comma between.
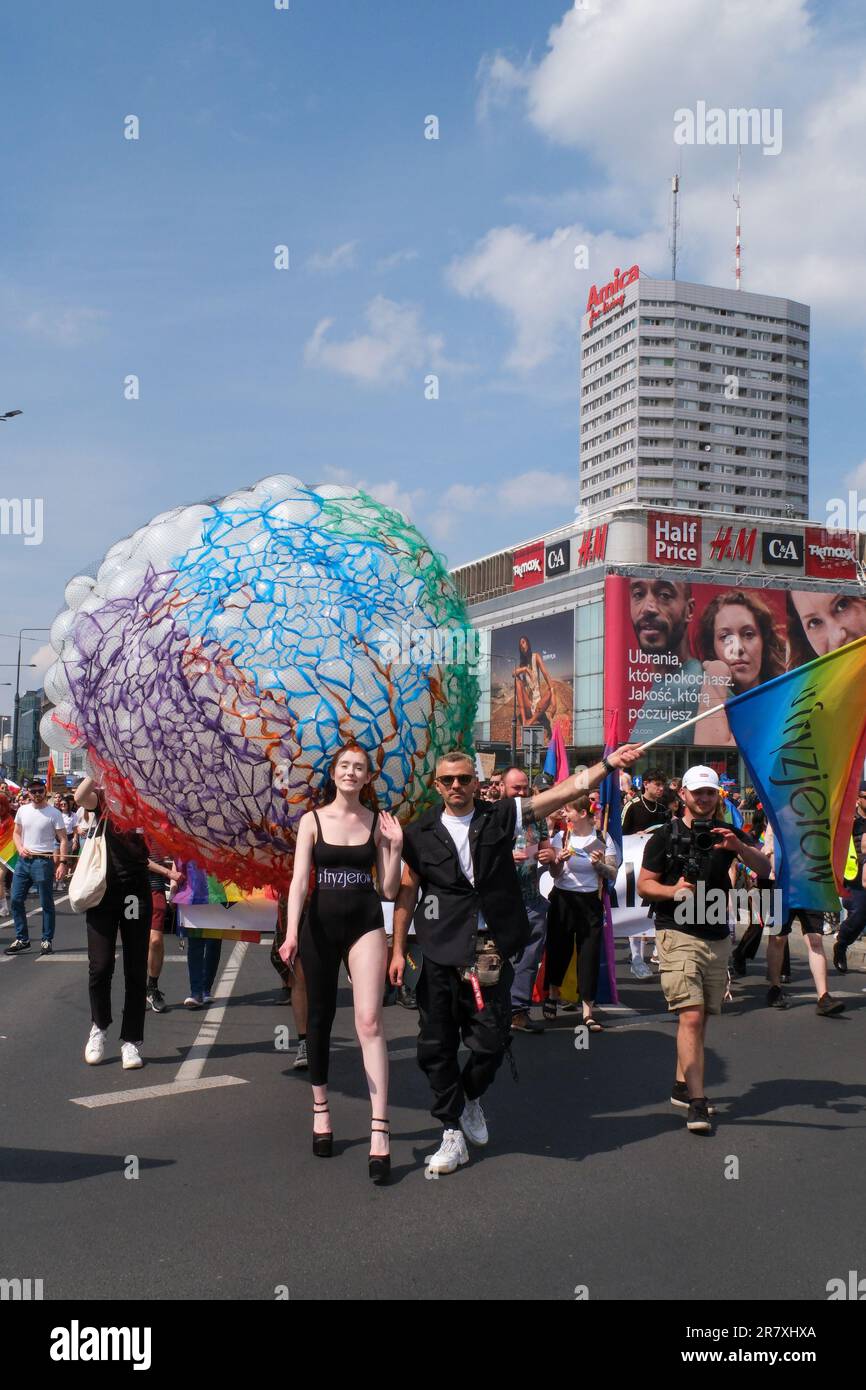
x: 803, y: 738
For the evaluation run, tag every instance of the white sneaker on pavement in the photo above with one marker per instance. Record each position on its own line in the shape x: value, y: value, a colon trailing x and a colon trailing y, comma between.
x: 131, y: 1056
x: 451, y: 1154
x: 640, y: 969
x: 300, y: 1062
x: 95, y: 1049
x: 473, y: 1123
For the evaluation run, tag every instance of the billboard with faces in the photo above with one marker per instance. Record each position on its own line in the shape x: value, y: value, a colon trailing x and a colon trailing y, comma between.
x: 674, y: 649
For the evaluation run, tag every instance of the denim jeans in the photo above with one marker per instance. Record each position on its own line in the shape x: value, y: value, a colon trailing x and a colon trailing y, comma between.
x: 40, y: 874
x: 203, y: 958
x: 527, y: 963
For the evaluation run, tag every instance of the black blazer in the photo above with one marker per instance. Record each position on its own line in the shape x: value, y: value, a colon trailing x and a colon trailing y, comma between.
x: 447, y: 912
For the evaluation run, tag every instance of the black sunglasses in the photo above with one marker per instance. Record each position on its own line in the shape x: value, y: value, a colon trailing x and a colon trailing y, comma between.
x: 464, y: 778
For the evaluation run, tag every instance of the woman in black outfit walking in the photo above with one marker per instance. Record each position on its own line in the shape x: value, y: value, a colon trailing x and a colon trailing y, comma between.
x: 345, y: 840
x: 126, y: 906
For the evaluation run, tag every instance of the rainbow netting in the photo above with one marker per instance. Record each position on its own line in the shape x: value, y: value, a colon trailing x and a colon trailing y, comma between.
x: 225, y: 651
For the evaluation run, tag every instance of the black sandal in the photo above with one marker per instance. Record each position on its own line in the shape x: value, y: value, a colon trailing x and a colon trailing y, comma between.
x: 323, y: 1144
x: 548, y: 1008
x: 380, y: 1164
x: 593, y: 1024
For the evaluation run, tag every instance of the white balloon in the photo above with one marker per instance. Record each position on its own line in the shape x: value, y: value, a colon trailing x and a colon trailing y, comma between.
x: 77, y: 590
x: 55, y: 684
x: 61, y: 628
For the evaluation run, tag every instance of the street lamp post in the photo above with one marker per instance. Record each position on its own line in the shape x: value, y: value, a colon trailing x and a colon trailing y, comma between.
x: 21, y: 633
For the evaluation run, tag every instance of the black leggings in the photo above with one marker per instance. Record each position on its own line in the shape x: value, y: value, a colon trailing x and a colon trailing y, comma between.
x: 129, y: 909
x: 575, y: 919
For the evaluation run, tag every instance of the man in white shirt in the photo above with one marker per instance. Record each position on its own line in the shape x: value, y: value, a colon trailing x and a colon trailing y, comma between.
x: 41, y: 844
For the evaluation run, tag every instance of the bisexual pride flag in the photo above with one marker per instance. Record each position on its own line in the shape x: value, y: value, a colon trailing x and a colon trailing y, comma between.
x: 610, y: 805
x: 803, y: 739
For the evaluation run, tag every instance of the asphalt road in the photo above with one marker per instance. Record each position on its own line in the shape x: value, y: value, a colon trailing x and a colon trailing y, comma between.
x: 590, y: 1178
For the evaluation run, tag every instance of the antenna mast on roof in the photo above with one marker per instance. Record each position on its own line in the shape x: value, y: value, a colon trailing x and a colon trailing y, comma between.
x: 675, y: 222
x: 737, y: 247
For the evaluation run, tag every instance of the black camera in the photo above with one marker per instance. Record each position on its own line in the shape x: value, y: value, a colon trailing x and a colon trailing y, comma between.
x: 699, y: 844
x: 703, y: 838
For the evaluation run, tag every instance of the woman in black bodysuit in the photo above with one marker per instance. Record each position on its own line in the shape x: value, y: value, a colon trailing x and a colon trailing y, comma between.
x: 345, y: 840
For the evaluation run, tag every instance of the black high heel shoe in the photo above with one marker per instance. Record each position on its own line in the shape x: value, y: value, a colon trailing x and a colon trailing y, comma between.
x: 380, y: 1166
x: 323, y: 1144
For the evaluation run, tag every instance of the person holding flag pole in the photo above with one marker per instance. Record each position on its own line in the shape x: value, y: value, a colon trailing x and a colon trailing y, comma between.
x: 805, y: 763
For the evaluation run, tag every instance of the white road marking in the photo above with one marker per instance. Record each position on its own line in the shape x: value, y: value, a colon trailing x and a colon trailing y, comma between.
x: 193, y: 1067
x: 33, y: 912
x: 171, y: 1088
x: 189, y: 1076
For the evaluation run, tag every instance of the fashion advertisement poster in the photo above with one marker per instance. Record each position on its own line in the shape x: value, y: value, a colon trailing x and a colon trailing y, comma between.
x: 532, y: 677
x: 674, y: 649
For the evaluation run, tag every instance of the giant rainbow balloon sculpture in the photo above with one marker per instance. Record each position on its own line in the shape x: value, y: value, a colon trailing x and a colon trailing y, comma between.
x: 223, y: 653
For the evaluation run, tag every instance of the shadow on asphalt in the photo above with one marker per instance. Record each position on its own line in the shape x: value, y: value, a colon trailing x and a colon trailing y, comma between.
x: 59, y: 1165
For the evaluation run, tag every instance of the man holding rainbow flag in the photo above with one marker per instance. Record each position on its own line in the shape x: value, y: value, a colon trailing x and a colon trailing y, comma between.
x: 802, y: 736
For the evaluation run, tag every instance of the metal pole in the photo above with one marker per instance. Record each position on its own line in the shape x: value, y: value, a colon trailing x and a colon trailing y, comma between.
x: 15, y: 719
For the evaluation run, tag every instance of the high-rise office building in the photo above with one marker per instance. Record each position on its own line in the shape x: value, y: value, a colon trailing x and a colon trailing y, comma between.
x: 693, y: 397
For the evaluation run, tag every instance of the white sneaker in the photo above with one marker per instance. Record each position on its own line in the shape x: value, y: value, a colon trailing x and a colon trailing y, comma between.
x: 451, y: 1154
x: 640, y: 969
x: 95, y: 1049
x: 131, y: 1056
x: 473, y: 1123
x: 300, y: 1062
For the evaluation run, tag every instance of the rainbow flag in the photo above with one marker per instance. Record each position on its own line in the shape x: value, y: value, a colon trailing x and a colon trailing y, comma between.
x: 8, y: 852
x: 803, y: 739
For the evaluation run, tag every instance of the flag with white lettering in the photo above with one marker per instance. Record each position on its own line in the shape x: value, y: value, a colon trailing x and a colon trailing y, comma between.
x: 803, y: 739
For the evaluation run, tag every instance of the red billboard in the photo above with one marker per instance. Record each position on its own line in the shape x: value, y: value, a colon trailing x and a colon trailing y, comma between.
x: 831, y: 554
x: 673, y: 649
x: 528, y: 565
x: 673, y: 538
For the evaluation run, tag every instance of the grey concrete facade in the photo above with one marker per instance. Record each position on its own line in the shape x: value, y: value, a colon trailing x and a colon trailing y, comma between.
x: 695, y: 397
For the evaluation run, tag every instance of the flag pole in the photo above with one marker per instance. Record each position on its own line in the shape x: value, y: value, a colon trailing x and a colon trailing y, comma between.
x: 684, y: 724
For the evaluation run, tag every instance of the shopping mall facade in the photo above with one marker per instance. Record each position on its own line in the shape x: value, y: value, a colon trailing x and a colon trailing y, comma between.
x: 640, y: 618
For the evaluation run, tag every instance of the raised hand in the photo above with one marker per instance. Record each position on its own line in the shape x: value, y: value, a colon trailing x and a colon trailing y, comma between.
x: 391, y: 830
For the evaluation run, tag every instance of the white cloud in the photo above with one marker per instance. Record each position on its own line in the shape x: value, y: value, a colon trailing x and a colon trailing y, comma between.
x: 395, y: 345
x: 341, y: 258
x: 857, y: 477
x: 803, y: 211
x: 396, y: 258
x: 533, y: 280
x: 65, y: 327
x: 538, y: 488
x: 498, y: 80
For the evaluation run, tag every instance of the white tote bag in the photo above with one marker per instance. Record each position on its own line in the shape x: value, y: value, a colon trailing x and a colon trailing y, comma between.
x: 88, y: 883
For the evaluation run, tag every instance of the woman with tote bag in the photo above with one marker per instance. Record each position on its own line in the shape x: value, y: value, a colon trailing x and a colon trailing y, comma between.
x: 124, y: 906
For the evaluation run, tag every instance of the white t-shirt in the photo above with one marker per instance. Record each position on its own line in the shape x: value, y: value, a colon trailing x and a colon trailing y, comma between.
x: 458, y: 829
x: 579, y: 876
x: 70, y: 821
x: 37, y: 825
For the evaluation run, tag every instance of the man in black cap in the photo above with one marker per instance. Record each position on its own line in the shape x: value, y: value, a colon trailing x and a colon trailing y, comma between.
x: 41, y: 842
x: 855, y: 901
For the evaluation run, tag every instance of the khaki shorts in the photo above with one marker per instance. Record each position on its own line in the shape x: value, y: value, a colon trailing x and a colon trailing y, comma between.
x: 693, y: 972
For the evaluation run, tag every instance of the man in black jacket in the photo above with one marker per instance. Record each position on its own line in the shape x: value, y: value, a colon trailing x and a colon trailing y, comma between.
x: 460, y: 887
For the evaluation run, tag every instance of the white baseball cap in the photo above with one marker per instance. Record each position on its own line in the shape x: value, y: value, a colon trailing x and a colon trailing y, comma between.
x: 699, y: 777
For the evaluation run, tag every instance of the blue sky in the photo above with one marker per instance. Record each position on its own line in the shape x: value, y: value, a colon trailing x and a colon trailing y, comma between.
x: 408, y: 256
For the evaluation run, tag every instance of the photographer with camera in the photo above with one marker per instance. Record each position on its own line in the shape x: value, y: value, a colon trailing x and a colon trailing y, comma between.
x: 686, y: 875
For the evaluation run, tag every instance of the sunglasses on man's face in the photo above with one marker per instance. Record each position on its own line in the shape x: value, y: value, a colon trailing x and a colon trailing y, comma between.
x: 464, y: 778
